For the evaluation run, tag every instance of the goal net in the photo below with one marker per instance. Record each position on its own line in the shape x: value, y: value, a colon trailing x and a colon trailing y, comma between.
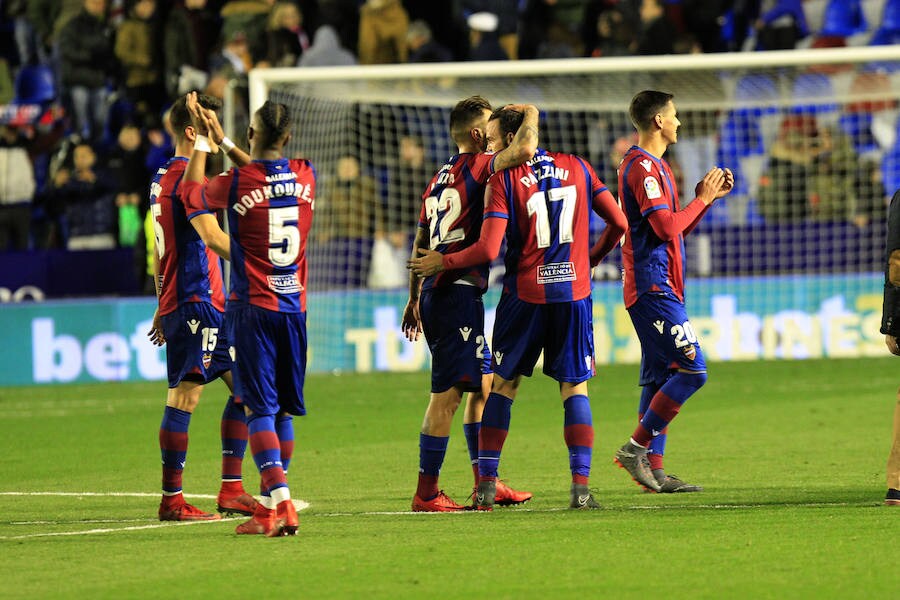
x: 789, y: 265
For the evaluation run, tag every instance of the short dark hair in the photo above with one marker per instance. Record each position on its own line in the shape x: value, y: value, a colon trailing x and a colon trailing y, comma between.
x: 180, y: 116
x: 510, y: 120
x: 466, y: 112
x: 645, y: 106
x: 276, y: 121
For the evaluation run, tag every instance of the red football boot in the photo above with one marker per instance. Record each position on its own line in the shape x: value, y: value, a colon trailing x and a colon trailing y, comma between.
x: 235, y: 501
x: 506, y: 496
x: 286, y: 520
x: 263, y: 522
x: 184, y: 512
x: 440, y: 503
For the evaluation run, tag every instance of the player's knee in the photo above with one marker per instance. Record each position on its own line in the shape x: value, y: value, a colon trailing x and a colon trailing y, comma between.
x: 184, y: 398
x: 693, y: 380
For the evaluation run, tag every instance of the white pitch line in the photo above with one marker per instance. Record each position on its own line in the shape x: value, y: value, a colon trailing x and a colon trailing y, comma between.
x: 113, y: 529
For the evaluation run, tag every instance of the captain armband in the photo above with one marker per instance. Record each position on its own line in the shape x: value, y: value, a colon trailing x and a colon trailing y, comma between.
x: 890, y: 316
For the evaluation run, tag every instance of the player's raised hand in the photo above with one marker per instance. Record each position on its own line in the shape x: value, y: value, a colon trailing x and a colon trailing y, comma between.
x: 428, y: 263
x: 710, y: 185
x: 213, y: 126
x: 411, y: 323
x: 195, y: 110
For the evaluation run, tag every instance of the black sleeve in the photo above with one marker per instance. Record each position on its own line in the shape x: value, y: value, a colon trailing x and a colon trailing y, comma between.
x: 890, y: 316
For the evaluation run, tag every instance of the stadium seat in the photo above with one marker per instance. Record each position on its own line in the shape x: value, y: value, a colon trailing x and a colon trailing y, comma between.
x: 890, y: 18
x: 34, y: 85
x: 890, y: 166
x: 813, y: 93
x: 843, y: 18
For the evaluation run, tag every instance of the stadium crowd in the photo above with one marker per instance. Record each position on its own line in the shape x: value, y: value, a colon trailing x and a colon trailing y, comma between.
x: 84, y: 85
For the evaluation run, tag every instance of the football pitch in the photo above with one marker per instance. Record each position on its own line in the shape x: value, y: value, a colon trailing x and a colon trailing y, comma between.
x: 791, y: 454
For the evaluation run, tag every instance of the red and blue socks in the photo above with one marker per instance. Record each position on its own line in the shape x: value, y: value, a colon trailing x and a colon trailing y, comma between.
x: 665, y: 404
x: 234, y: 440
x: 284, y: 428
x: 658, y: 444
x: 173, y: 444
x: 432, y: 450
x: 578, y: 431
x: 471, y: 432
x: 266, y: 451
x: 494, y: 429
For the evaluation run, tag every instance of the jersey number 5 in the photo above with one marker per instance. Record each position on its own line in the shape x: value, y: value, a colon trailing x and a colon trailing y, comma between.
x: 156, y: 211
x: 538, y: 206
x: 284, y: 237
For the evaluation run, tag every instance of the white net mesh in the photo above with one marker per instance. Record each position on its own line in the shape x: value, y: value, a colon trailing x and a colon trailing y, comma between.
x: 789, y: 265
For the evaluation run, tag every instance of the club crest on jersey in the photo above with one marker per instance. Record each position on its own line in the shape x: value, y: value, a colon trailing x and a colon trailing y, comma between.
x: 193, y: 324
x: 207, y: 360
x: 651, y: 186
x: 659, y: 325
x: 465, y: 332
x: 690, y: 352
x: 646, y: 164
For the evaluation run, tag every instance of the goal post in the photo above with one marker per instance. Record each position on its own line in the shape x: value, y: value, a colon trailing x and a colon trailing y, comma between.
x: 787, y: 266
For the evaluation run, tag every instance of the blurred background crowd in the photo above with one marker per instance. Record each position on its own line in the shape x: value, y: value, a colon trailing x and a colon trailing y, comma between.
x: 84, y: 85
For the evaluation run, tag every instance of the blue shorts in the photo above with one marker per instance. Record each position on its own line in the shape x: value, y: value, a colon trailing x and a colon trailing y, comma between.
x: 668, y: 341
x: 453, y: 323
x: 269, y: 354
x: 564, y: 331
x: 196, y: 343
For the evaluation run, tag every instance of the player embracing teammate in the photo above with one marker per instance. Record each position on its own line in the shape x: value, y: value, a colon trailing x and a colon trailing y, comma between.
x: 543, y: 208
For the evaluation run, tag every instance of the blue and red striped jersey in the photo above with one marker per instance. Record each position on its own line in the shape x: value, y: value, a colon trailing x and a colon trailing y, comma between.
x: 270, y: 210
x: 547, y: 202
x: 452, y: 207
x: 646, y: 184
x: 188, y: 270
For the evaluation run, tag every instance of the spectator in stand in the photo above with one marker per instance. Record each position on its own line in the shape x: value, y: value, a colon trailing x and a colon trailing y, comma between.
x: 326, y: 50
x: 483, y: 41
x: 348, y: 216
x: 657, y: 32
x: 383, y: 26
x: 833, y: 192
x: 507, y: 12
x: 88, y: 205
x: 615, y: 35
x: 231, y: 64
x: 422, y: 47
x: 125, y: 163
x: 249, y: 17
x: 138, y: 51
x: 48, y: 17
x: 703, y: 19
x: 87, y: 63
x: 408, y: 176
x: 343, y: 17
x: 189, y: 36
x: 784, y: 188
x: 782, y: 23
x: 17, y: 187
x: 287, y: 40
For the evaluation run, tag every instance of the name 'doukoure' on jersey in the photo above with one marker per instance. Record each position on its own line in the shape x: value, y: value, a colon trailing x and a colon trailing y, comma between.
x: 452, y: 208
x: 270, y: 209
x: 547, y: 201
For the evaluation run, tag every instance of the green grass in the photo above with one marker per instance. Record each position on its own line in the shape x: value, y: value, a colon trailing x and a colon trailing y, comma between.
x: 791, y: 454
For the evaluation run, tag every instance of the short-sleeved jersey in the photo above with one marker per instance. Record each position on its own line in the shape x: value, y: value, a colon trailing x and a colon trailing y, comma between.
x: 270, y: 209
x: 188, y: 270
x: 547, y: 202
x: 452, y: 208
x: 646, y: 184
